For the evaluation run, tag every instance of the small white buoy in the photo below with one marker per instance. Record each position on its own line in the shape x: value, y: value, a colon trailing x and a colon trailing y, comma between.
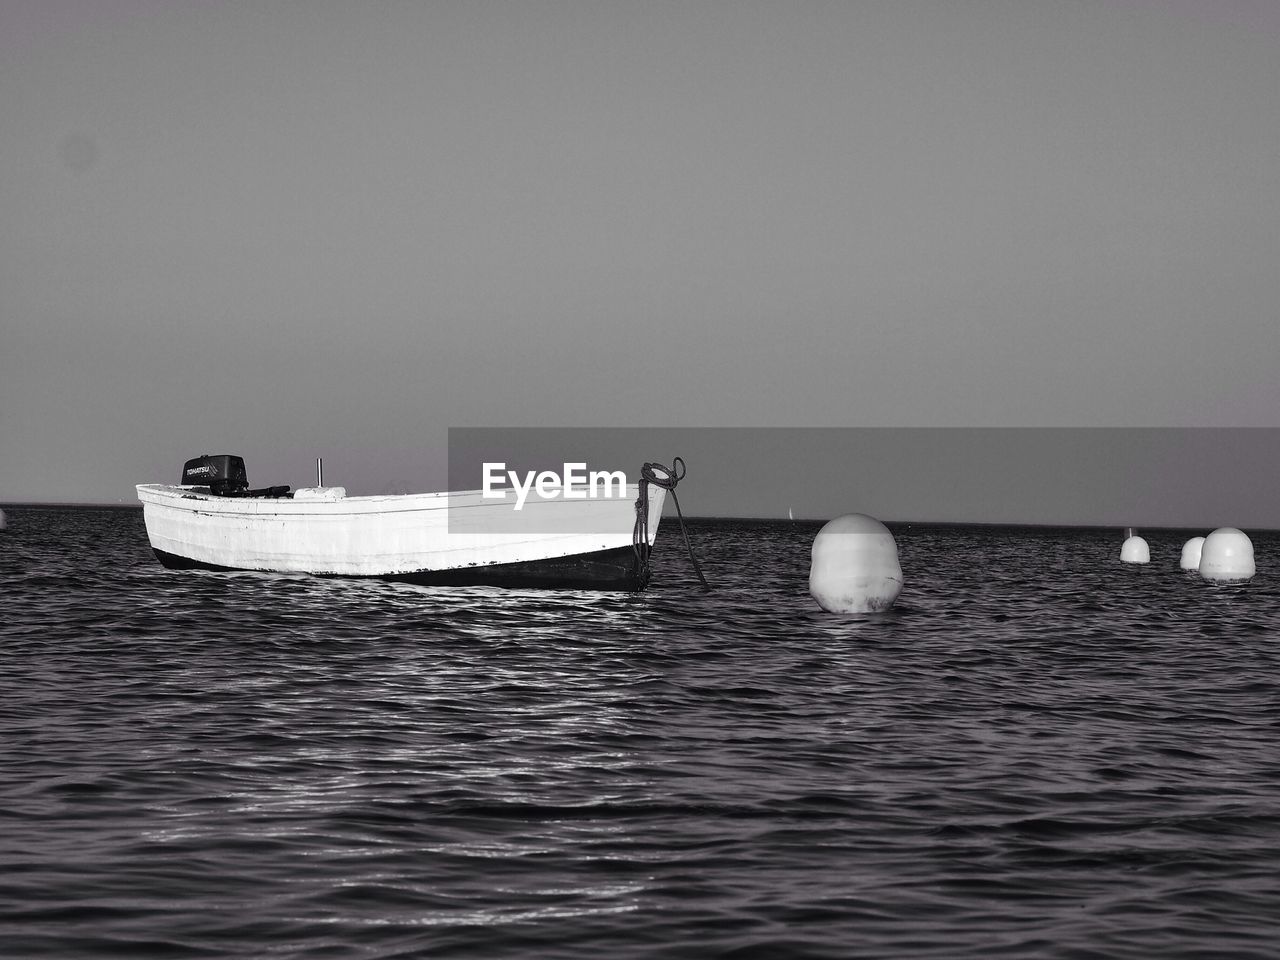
x: 1227, y: 554
x: 854, y: 566
x: 1191, y: 553
x: 1135, y: 550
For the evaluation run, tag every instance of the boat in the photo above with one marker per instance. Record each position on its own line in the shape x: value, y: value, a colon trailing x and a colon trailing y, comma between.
x: 572, y: 539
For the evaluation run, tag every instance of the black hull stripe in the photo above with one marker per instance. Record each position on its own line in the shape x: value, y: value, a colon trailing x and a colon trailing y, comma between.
x: 603, y: 570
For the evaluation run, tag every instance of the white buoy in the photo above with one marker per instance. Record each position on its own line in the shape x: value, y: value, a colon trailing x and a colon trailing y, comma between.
x: 1135, y: 550
x: 1227, y: 554
x: 854, y: 566
x: 1191, y: 553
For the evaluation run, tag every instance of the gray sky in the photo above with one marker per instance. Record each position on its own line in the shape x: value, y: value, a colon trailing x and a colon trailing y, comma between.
x: 290, y: 230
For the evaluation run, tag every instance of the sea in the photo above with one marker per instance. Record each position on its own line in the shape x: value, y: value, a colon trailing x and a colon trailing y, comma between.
x: 1040, y: 751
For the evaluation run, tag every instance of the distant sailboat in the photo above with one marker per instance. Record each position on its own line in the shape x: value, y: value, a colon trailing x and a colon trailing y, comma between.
x: 790, y: 514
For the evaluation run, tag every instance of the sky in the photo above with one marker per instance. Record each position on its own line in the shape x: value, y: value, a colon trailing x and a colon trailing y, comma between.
x: 336, y: 229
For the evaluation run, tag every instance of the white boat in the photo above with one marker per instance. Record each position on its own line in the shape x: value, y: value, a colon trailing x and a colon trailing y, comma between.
x: 459, y: 538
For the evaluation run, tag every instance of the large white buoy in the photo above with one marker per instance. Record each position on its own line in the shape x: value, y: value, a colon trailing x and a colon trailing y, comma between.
x: 1191, y: 553
x: 1135, y: 550
x: 854, y: 566
x: 1227, y: 554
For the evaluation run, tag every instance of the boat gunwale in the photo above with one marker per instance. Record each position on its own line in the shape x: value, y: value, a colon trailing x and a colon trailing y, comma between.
x: 176, y: 496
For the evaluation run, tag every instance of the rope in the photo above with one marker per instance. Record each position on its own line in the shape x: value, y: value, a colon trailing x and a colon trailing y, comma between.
x: 660, y: 476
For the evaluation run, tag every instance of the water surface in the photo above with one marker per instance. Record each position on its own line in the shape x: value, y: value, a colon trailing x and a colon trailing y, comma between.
x: 1039, y: 752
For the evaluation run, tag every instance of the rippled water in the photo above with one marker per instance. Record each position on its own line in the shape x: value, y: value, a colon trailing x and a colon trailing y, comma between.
x: 1040, y: 752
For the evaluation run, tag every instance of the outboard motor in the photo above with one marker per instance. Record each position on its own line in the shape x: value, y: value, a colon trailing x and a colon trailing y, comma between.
x: 222, y: 473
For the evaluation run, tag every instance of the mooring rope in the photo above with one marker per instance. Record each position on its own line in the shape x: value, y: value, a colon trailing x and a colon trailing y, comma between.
x: 666, y: 478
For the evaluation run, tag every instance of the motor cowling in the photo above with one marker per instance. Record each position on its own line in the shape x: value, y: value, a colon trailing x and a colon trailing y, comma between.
x: 222, y: 473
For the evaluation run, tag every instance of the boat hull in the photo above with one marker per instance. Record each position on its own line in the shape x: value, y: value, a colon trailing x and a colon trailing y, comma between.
x: 603, y: 570
x: 451, y: 539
